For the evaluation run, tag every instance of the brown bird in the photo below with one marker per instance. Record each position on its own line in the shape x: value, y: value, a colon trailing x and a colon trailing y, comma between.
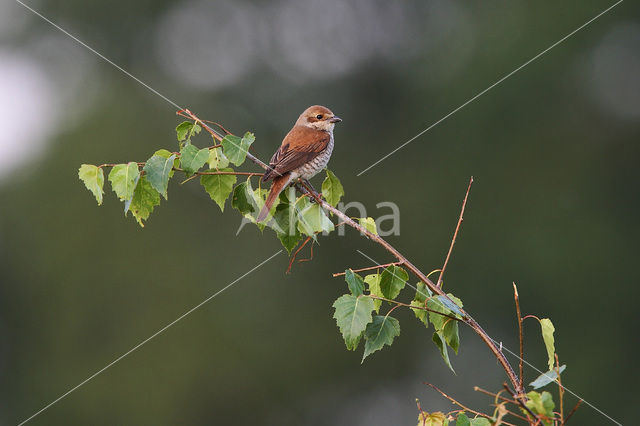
x: 303, y: 153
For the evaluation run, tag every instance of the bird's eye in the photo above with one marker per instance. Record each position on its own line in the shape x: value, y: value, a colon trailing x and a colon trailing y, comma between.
x: 319, y: 116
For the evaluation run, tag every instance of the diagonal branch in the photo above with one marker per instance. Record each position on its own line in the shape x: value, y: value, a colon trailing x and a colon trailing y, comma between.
x: 467, y: 319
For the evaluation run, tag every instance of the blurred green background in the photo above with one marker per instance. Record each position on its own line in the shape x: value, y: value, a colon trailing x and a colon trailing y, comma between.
x: 554, y: 207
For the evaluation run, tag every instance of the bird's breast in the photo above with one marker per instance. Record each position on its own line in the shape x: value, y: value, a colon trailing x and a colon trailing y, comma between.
x: 319, y: 162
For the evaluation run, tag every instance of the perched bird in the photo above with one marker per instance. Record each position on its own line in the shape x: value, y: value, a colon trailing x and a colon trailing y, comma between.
x: 303, y: 153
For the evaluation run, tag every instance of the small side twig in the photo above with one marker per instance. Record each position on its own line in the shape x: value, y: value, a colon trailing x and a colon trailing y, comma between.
x: 369, y: 268
x: 455, y: 234
x: 464, y: 407
x: 295, y: 253
x: 517, y: 299
x: 573, y: 410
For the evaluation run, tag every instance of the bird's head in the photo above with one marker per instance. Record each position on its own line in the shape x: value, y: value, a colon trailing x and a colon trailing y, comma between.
x: 318, y: 117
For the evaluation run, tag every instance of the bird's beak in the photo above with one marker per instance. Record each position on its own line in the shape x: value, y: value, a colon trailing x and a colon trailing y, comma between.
x: 335, y: 119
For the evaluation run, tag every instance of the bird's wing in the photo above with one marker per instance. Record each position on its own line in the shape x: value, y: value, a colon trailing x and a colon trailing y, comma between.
x: 301, y: 145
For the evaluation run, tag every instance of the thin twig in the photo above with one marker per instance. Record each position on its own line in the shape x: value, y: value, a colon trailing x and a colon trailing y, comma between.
x: 573, y: 410
x: 455, y: 234
x: 453, y: 401
x: 422, y: 308
x: 337, y: 274
x: 293, y: 258
x: 517, y: 299
x: 560, y: 387
x: 495, y: 395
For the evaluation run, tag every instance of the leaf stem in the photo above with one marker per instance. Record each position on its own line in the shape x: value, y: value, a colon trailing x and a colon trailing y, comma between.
x: 337, y: 274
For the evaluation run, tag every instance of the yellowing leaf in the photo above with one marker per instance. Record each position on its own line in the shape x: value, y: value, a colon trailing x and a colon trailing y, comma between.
x: 93, y: 179
x: 217, y: 159
x: 123, y: 178
x: 369, y: 224
x: 373, y: 281
x: 434, y: 419
x: 547, y: 334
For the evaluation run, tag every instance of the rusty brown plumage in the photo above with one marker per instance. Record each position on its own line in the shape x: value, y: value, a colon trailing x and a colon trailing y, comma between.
x: 303, y: 153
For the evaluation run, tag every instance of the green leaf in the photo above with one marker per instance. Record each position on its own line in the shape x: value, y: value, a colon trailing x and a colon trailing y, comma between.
x: 166, y: 154
x: 284, y: 221
x: 442, y: 347
x: 311, y: 218
x: 332, y: 189
x: 217, y: 159
x: 236, y: 148
x: 450, y: 334
x: 249, y: 201
x: 462, y: 420
x: 547, y: 334
x: 218, y: 186
x: 373, y: 282
x: 422, y: 292
x: 421, y: 314
x: 381, y: 331
x: 437, y: 305
x: 352, y: 314
x: 93, y: 178
x: 192, y: 159
x: 158, y: 169
x: 145, y: 198
x: 186, y: 129
x: 241, y: 199
x: 124, y: 178
x: 354, y: 281
x: 369, y: 224
x: 454, y: 306
x: 480, y: 421
x: 393, y: 280
x: 546, y: 378
x: 541, y: 404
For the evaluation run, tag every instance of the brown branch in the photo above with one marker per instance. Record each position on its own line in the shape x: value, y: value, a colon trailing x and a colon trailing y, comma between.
x: 517, y: 299
x: 453, y: 401
x: 455, y: 234
x: 573, y: 410
x: 495, y: 395
x: 413, y: 269
x: 522, y: 403
x: 560, y: 387
x: 337, y: 274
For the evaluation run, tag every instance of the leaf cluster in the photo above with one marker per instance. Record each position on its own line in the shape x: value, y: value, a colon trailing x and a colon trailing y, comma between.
x: 354, y: 312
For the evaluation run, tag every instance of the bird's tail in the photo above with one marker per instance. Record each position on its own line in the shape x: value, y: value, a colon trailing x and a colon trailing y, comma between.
x: 279, y: 183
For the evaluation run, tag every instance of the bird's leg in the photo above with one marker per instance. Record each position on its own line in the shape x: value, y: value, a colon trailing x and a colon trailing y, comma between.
x: 309, y: 190
x: 309, y: 186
